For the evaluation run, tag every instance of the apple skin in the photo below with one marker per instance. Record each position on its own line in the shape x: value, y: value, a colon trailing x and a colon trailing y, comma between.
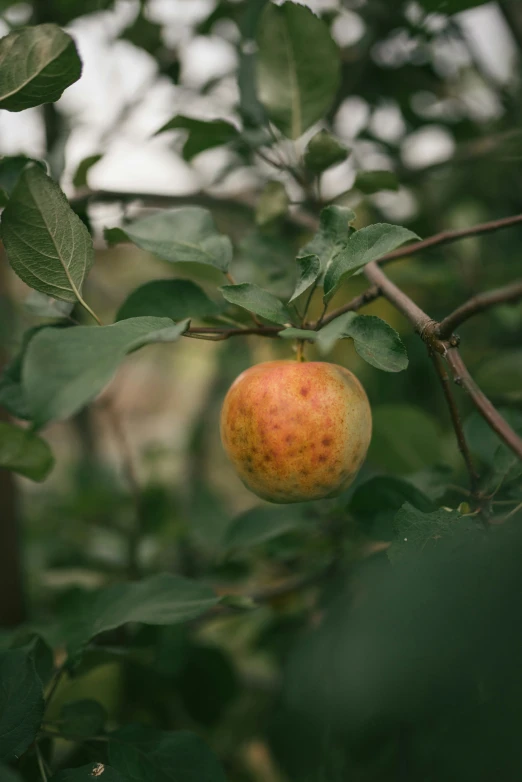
x: 296, y: 431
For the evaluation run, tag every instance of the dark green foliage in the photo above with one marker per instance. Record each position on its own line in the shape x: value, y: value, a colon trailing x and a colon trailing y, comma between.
x: 177, y: 628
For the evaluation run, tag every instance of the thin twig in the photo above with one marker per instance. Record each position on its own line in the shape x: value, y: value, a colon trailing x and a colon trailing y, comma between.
x: 479, y: 303
x: 367, y: 296
x: 456, y: 421
x: 487, y: 410
x: 40, y: 762
x: 445, y: 237
x: 422, y: 323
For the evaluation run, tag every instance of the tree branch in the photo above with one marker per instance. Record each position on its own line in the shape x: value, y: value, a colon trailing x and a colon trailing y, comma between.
x: 422, y: 323
x: 446, y: 237
x: 479, y: 303
x: 456, y: 421
x: 426, y: 327
x: 462, y: 378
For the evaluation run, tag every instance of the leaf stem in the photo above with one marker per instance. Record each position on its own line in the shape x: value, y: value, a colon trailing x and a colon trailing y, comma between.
x: 89, y: 310
x: 40, y: 762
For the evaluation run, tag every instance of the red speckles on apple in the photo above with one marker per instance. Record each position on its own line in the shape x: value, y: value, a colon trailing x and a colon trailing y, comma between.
x: 326, y: 441
x: 305, y: 390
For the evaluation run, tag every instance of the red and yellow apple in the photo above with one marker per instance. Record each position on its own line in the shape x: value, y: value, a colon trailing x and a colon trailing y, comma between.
x: 296, y: 431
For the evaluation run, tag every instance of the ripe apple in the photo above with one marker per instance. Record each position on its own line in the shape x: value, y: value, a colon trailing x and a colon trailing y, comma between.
x: 296, y: 431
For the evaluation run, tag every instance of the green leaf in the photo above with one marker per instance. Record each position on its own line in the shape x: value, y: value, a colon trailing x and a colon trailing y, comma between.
x: 163, y: 599
x: 273, y: 203
x: 260, y: 524
x: 12, y: 395
x: 21, y: 703
x: 482, y: 440
x: 298, y: 67
x: 24, y: 453
x: 143, y: 754
x: 417, y: 531
x: 500, y: 376
x: 82, y: 719
x: 47, y: 244
x: 377, y: 343
x: 83, y: 361
x: 10, y: 170
x: 207, y: 684
x: 309, y: 271
x: 363, y: 246
x: 404, y: 439
x: 202, y: 134
x: 46, y: 307
x: 175, y: 299
x: 36, y: 65
x: 40, y: 653
x: 186, y: 234
x: 333, y: 234
x: 87, y: 774
x: 506, y: 468
x: 9, y: 774
x: 336, y: 329
x: 80, y: 175
x: 323, y: 151
x: 369, y: 182
x: 255, y: 299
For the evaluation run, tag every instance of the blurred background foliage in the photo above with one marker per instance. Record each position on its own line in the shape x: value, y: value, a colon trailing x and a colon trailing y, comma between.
x: 366, y: 677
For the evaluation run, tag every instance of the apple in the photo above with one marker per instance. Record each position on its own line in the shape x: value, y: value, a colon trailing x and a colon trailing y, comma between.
x: 296, y: 431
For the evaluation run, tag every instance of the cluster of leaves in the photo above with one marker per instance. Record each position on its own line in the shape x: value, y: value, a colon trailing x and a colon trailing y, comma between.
x: 62, y: 367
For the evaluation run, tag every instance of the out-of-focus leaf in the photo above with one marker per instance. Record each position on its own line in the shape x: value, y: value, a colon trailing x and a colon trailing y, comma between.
x: 273, y: 203
x: 255, y: 299
x: 88, y: 773
x: 207, y: 684
x: 369, y: 182
x: 332, y: 236
x: 323, y: 151
x: 38, y: 64
x: 46, y: 307
x: 261, y: 524
x: 500, y: 376
x: 368, y: 244
x: 82, y: 719
x: 404, y: 438
x: 295, y: 88
x: 83, y: 168
x: 25, y: 453
x: 482, y: 440
x: 143, y: 754
x: 187, y: 234
x: 66, y: 368
x: 175, y: 299
x: 202, y: 134
x: 21, y: 703
x: 47, y: 244
x: 12, y: 395
x: 159, y: 600
x: 387, y: 493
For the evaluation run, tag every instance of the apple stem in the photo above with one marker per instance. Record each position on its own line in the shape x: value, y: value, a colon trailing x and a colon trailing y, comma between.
x: 300, y: 351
